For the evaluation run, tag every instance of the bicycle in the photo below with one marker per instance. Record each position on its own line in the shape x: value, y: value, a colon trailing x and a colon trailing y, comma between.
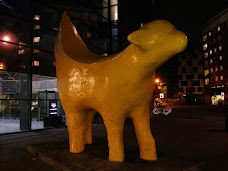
x: 165, y: 110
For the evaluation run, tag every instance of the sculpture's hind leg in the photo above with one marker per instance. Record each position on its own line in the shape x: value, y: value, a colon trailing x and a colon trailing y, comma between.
x: 76, y: 129
x: 141, y: 120
x: 114, y: 130
x: 88, y: 127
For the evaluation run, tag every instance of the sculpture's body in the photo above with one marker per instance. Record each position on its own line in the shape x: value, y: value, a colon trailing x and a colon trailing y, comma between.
x: 117, y: 86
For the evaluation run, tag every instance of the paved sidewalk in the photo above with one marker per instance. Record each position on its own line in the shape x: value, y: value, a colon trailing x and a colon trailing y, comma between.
x: 182, y: 144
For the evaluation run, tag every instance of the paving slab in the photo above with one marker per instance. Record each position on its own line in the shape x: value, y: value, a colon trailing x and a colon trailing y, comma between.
x: 95, y: 156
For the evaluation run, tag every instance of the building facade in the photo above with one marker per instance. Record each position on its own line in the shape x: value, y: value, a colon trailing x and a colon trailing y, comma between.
x: 215, y: 55
x: 190, y: 74
x: 28, y: 30
x: 28, y: 89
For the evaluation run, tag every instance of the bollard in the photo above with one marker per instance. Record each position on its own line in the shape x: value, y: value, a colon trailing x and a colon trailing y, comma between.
x: 226, y: 122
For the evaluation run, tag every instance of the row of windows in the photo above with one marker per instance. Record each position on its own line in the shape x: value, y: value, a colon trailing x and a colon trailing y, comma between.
x: 191, y: 69
x: 187, y: 56
x: 212, y: 79
x: 211, y: 51
x: 190, y: 76
x: 211, y: 42
x: 187, y: 83
x: 209, y: 34
x: 36, y: 63
x: 206, y: 72
x: 191, y: 89
x: 206, y: 62
x: 190, y: 63
x: 215, y: 49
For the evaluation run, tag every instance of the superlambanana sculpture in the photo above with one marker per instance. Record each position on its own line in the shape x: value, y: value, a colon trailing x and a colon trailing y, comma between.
x: 117, y: 86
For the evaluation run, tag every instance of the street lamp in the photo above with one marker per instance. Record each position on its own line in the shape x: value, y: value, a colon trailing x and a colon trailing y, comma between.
x: 157, y: 80
x: 155, y: 99
x: 6, y: 38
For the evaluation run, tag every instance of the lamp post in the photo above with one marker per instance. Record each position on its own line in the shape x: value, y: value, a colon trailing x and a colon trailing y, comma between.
x: 157, y: 82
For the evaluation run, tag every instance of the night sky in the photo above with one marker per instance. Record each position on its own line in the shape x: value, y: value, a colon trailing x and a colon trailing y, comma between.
x: 189, y: 15
x: 186, y: 15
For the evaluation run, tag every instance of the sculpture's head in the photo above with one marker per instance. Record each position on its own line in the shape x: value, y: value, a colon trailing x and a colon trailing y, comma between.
x: 159, y: 35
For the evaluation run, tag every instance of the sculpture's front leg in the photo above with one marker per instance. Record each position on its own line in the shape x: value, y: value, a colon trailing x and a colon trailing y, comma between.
x: 147, y: 146
x: 114, y: 130
x: 76, y: 130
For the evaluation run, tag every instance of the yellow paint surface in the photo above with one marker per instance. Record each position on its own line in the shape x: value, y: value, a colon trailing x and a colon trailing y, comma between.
x: 117, y: 86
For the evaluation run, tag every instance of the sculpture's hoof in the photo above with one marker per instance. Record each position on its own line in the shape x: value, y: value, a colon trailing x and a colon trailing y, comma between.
x: 115, y: 159
x: 76, y: 150
x: 150, y: 158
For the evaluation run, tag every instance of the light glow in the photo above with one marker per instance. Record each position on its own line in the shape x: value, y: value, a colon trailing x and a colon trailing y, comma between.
x: 2, y: 66
x: 6, y: 38
x: 157, y: 80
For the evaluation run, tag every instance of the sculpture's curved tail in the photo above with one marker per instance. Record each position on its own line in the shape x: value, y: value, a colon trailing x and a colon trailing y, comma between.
x: 70, y: 43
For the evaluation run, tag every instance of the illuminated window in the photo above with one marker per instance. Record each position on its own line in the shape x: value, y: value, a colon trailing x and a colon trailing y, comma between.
x: 206, y: 81
x: 221, y: 68
x: 209, y: 34
x: 206, y: 72
x: 221, y: 77
x: 2, y: 66
x: 212, y: 70
x: 220, y: 57
x: 113, y: 9
x: 36, y: 27
x: 204, y: 46
x: 36, y: 51
x: 205, y: 37
x: 216, y: 69
x: 36, y: 63
x: 205, y: 54
x: 210, y: 51
x: 216, y: 78
x: 37, y: 17
x: 218, y: 28
x: 215, y: 49
x: 211, y: 61
x: 220, y: 47
x: 114, y: 12
x: 36, y: 39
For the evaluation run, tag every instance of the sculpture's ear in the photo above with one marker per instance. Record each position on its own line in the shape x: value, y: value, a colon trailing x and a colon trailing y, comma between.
x: 134, y: 38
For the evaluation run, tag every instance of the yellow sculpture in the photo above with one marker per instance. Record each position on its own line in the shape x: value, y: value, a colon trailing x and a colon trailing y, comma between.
x: 117, y: 86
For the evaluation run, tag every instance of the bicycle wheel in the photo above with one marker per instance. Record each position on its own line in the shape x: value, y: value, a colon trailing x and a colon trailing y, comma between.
x: 167, y: 110
x: 156, y: 111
